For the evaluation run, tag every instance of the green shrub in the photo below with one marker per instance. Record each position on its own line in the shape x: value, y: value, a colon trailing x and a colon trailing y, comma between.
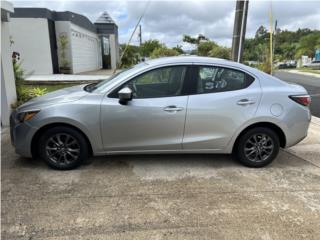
x: 204, y: 48
x: 220, y: 52
x: 163, y: 52
x: 265, y: 67
x: 37, y: 92
x: 25, y: 94
x: 130, y: 55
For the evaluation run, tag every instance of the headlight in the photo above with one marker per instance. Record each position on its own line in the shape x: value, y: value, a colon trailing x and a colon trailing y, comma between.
x: 25, y: 116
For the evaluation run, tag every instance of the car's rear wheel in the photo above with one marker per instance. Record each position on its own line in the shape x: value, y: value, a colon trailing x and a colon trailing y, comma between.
x: 63, y: 148
x: 257, y: 147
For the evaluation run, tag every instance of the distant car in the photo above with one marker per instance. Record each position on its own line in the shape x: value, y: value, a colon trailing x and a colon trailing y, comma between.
x: 291, y: 64
x: 169, y: 105
x: 313, y: 64
x: 282, y: 65
x: 287, y: 64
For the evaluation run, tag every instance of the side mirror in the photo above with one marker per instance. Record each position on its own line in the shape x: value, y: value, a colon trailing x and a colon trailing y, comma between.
x: 125, y: 95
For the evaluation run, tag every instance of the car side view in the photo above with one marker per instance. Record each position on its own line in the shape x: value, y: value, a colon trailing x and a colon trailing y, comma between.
x: 181, y: 104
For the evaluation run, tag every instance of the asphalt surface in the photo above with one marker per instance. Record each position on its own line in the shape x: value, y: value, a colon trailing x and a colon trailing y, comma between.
x: 311, y: 84
x: 159, y: 197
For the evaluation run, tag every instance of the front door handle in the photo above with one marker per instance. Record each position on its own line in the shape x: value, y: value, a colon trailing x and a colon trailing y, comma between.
x: 173, y: 109
x: 245, y: 101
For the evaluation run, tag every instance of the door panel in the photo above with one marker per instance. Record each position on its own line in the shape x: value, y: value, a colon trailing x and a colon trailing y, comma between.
x: 213, y: 118
x: 154, y: 119
x: 143, y: 124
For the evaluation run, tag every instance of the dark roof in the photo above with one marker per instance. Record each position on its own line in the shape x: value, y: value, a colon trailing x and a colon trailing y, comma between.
x: 105, y: 18
x: 105, y: 24
x: 106, y: 28
x: 75, y: 18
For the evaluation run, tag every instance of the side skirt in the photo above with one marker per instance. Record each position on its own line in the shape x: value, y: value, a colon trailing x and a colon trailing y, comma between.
x: 183, y: 151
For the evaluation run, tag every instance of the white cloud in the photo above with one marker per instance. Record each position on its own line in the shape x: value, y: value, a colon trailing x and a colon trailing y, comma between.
x: 169, y: 20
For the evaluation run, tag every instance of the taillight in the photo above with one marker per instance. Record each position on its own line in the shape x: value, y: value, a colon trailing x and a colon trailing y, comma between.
x: 304, y: 100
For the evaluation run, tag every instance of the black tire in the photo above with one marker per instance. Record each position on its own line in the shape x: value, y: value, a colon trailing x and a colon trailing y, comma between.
x: 264, y: 153
x: 63, y: 148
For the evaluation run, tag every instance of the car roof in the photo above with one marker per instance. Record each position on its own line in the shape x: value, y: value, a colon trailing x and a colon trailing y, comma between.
x: 197, y: 59
x: 190, y: 59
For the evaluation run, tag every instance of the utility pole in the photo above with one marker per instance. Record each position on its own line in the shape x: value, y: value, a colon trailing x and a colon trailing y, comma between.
x: 274, y: 37
x: 140, y: 35
x: 271, y: 38
x: 239, y: 29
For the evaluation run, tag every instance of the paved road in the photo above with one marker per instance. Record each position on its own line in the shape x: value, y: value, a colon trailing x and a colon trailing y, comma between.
x: 172, y: 197
x: 312, y: 84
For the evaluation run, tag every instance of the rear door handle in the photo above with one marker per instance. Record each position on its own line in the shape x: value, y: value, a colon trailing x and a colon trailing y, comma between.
x: 245, y: 101
x: 173, y: 109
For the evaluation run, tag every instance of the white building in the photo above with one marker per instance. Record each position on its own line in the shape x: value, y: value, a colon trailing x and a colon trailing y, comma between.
x: 63, y: 42
x: 8, y: 87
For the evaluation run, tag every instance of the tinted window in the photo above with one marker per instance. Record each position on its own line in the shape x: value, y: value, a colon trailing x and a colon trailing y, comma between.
x: 161, y: 82
x: 218, y: 79
x: 103, y: 85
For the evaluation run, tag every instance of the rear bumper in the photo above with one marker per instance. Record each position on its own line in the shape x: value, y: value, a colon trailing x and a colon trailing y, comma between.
x: 297, y: 125
x: 21, y: 136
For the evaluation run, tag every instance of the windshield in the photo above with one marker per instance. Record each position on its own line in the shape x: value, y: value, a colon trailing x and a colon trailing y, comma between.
x: 101, y: 86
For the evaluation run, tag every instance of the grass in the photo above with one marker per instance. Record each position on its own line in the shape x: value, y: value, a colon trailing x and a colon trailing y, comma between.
x: 309, y: 70
x: 48, y: 87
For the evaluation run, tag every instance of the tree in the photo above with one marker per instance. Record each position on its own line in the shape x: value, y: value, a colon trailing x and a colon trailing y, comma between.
x: 249, y: 51
x: 189, y: 39
x: 179, y: 49
x: 287, y: 51
x: 289, y: 45
x: 205, y: 47
x: 149, y: 46
x: 308, y: 44
x: 261, y: 33
x: 220, y: 52
x: 194, y: 40
x: 202, y: 38
x: 131, y: 56
x: 163, y: 52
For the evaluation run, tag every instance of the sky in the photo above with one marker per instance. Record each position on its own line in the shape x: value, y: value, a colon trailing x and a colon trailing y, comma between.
x: 168, y: 21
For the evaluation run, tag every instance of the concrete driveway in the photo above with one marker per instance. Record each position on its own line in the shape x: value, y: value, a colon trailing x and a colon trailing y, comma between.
x: 160, y: 197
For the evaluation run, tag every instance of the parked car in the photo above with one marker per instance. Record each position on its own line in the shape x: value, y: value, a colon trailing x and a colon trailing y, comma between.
x: 168, y: 105
x: 291, y: 63
x: 314, y: 64
x: 281, y: 65
x: 287, y: 64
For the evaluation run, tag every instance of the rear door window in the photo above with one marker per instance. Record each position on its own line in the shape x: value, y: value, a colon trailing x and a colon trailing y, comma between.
x: 212, y: 79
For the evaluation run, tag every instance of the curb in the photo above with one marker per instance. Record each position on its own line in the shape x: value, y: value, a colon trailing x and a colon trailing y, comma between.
x: 303, y: 73
x: 53, y: 82
x: 315, y: 120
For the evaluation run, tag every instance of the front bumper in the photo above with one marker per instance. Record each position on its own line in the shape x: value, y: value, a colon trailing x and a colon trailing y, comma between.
x: 21, y: 136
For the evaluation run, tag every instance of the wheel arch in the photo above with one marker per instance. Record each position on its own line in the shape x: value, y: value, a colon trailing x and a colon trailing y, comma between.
x: 40, y: 131
x: 270, y: 125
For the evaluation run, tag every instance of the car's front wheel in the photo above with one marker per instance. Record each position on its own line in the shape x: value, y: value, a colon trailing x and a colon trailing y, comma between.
x: 63, y: 148
x: 257, y: 147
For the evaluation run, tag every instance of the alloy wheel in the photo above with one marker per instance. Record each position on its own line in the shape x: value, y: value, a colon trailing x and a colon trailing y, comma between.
x: 258, y: 147
x: 62, y: 149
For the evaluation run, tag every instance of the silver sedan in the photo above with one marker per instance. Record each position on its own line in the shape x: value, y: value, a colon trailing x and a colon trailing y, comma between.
x: 168, y: 105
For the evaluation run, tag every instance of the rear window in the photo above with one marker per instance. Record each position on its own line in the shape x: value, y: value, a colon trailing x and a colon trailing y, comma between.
x: 212, y: 79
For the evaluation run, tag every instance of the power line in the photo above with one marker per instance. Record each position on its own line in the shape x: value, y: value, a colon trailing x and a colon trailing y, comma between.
x: 142, y: 15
